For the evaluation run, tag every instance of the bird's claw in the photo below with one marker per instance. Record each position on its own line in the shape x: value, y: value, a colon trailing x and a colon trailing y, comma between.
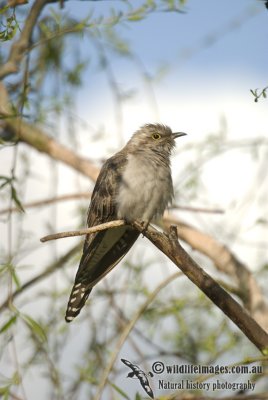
x: 145, y: 225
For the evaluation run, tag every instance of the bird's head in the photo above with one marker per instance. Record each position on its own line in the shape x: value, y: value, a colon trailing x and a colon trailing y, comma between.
x: 156, y: 137
x: 130, y: 374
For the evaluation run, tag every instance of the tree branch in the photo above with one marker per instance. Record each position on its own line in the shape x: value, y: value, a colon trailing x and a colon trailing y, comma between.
x: 19, y: 48
x: 225, y: 261
x: 197, y: 209
x: 171, y: 247
x: 86, y: 231
x: 37, y: 139
x: 47, y: 201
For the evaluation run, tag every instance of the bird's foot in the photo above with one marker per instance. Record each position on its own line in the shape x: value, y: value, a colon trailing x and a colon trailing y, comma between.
x: 145, y: 225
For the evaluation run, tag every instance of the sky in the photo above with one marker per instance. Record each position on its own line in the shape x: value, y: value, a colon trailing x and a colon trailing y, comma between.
x: 204, y: 61
x: 212, y: 56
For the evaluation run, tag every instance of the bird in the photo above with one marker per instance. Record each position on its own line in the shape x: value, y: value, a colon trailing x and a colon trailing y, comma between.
x: 135, y: 184
x: 141, y: 375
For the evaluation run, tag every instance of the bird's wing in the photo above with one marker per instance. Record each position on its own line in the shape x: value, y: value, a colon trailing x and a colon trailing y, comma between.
x: 145, y: 384
x: 134, y: 367
x: 102, y: 250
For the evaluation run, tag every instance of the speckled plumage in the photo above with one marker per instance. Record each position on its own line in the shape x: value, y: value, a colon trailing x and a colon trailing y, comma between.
x: 134, y: 184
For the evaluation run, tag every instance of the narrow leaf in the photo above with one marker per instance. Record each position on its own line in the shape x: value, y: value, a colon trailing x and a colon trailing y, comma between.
x: 120, y: 391
x: 36, y: 328
x: 15, y: 277
x: 8, y: 324
x: 16, y: 199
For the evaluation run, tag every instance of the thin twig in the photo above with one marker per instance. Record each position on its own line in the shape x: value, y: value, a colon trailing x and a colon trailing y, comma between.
x: 50, y: 200
x: 197, y: 209
x: 86, y: 231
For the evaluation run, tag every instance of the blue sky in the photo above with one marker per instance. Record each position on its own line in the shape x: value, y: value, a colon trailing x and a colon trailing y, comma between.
x: 163, y: 36
x: 215, y: 51
x: 239, y: 29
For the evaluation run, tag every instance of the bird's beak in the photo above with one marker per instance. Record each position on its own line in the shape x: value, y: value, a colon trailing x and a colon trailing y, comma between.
x: 178, y: 134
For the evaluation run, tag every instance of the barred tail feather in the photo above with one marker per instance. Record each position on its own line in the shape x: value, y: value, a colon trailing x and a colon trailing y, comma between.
x: 77, y: 300
x: 102, y: 254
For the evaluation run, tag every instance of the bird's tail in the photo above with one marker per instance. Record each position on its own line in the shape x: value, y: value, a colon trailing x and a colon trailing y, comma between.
x: 78, y: 297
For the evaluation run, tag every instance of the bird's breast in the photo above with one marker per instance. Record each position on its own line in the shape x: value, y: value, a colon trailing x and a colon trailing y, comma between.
x: 145, y: 189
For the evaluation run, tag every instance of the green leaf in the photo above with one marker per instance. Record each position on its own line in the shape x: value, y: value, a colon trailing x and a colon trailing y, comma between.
x: 16, y: 199
x: 8, y: 382
x: 8, y: 324
x: 4, y: 391
x: 35, y: 327
x: 74, y: 76
x: 3, y: 268
x: 120, y: 391
x: 135, y: 17
x: 6, y: 179
x: 16, y: 380
x: 4, y: 9
x: 11, y: 28
x: 263, y: 221
x: 57, y: 17
x: 15, y: 277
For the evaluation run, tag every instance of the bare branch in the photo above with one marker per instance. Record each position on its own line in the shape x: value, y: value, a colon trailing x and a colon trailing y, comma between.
x: 45, y: 202
x: 40, y: 141
x: 86, y: 231
x: 197, y: 209
x: 225, y: 261
x: 15, y: 3
x: 37, y: 139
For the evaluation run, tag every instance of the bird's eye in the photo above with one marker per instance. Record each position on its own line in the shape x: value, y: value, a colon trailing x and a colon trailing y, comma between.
x: 156, y: 136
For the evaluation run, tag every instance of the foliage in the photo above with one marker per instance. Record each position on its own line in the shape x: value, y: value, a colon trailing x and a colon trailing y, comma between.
x: 258, y: 94
x: 9, y: 27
